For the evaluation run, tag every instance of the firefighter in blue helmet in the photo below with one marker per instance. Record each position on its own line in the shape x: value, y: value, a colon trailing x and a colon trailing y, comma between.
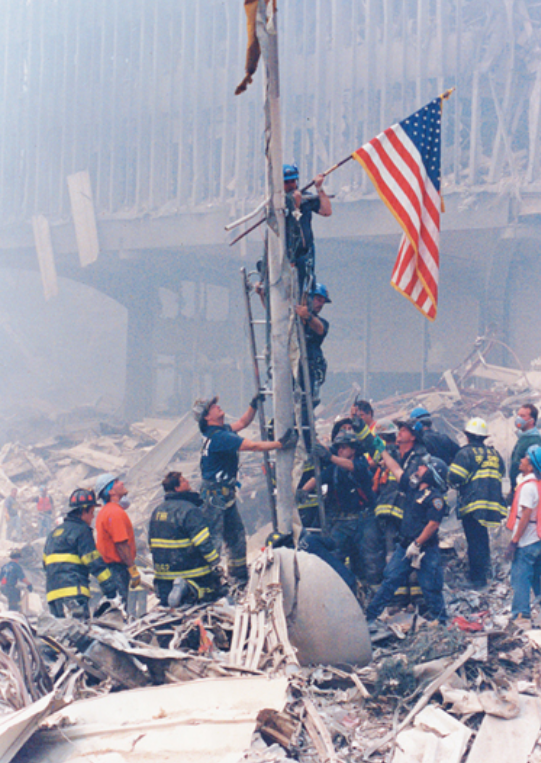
x: 299, y: 210
x: 316, y: 329
x: 70, y: 555
x: 437, y: 443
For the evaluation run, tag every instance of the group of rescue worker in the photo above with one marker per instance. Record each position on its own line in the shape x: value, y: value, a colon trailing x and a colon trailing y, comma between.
x: 385, y: 485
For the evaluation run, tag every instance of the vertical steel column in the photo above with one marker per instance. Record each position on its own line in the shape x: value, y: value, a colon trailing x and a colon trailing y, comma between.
x: 280, y: 275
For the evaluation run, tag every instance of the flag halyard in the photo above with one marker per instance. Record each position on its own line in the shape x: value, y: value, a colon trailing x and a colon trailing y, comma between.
x: 404, y: 164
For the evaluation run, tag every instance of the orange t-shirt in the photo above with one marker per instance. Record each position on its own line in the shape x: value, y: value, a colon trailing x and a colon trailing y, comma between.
x: 113, y: 525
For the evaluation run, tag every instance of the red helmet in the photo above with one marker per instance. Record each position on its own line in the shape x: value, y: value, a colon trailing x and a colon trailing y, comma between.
x: 82, y: 499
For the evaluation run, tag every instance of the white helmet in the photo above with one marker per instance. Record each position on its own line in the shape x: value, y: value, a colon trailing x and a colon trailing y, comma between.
x: 386, y: 426
x: 103, y: 481
x: 477, y: 427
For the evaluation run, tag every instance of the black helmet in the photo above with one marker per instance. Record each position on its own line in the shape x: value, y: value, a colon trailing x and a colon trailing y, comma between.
x: 82, y: 499
x: 437, y: 472
x: 345, y: 438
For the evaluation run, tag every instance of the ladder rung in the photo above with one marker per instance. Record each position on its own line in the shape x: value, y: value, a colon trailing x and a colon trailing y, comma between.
x: 259, y: 322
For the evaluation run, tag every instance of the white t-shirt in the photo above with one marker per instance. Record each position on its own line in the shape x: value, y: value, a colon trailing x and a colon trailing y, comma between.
x: 528, y: 499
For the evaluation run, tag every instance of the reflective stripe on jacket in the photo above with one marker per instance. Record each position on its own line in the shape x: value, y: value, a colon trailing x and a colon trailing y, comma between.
x: 477, y: 473
x: 179, y: 539
x: 69, y: 557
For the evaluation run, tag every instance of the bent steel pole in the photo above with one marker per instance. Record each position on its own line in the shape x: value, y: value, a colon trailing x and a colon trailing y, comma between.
x: 281, y: 274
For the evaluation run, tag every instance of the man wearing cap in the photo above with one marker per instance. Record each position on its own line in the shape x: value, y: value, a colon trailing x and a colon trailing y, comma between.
x: 524, y: 549
x: 115, y: 536
x: 477, y: 472
x: 437, y: 443
x: 528, y: 434
x: 299, y: 210
x: 11, y: 575
x: 219, y: 467
x: 70, y: 556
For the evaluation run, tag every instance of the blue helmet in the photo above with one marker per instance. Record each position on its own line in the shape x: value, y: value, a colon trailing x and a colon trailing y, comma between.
x: 320, y: 290
x: 419, y: 413
x: 291, y: 172
x: 534, y: 455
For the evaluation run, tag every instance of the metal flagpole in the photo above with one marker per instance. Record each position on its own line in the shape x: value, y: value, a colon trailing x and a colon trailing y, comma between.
x: 281, y: 274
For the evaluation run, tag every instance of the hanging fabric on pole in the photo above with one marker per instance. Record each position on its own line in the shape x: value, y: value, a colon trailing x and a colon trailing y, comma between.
x: 253, y: 48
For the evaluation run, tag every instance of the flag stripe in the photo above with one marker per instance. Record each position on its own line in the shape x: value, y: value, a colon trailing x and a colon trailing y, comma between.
x: 403, y: 162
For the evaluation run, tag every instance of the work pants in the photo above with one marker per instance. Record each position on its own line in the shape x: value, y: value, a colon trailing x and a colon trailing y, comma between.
x: 70, y: 606
x: 14, y: 530
x: 227, y: 532
x: 121, y: 577
x: 397, y: 573
x: 45, y: 522
x: 205, y: 588
x: 523, y: 572
x: 357, y: 539
x: 478, y: 550
x: 389, y: 532
x: 13, y: 595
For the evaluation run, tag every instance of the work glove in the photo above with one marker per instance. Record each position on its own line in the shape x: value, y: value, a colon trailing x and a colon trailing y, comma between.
x: 259, y: 398
x: 135, y: 576
x: 30, y: 587
x: 321, y: 452
x: 289, y: 439
x: 415, y: 555
x: 510, y: 551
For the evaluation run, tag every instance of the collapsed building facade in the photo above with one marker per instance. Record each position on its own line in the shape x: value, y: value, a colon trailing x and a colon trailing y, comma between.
x: 123, y: 153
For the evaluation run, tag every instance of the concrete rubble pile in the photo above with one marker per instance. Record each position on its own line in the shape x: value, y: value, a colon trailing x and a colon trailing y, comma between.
x: 463, y: 693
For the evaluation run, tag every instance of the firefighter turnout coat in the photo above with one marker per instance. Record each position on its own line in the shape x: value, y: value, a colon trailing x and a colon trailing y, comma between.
x: 180, y: 542
x: 477, y: 472
x: 69, y: 556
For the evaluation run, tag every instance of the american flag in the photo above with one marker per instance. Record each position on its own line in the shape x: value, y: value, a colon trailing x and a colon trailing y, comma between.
x: 404, y: 163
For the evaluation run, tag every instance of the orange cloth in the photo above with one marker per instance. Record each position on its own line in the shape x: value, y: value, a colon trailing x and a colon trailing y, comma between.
x: 44, y: 503
x: 113, y: 525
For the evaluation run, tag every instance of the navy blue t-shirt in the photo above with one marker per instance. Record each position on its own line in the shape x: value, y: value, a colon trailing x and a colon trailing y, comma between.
x: 344, y: 496
x: 220, y: 455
